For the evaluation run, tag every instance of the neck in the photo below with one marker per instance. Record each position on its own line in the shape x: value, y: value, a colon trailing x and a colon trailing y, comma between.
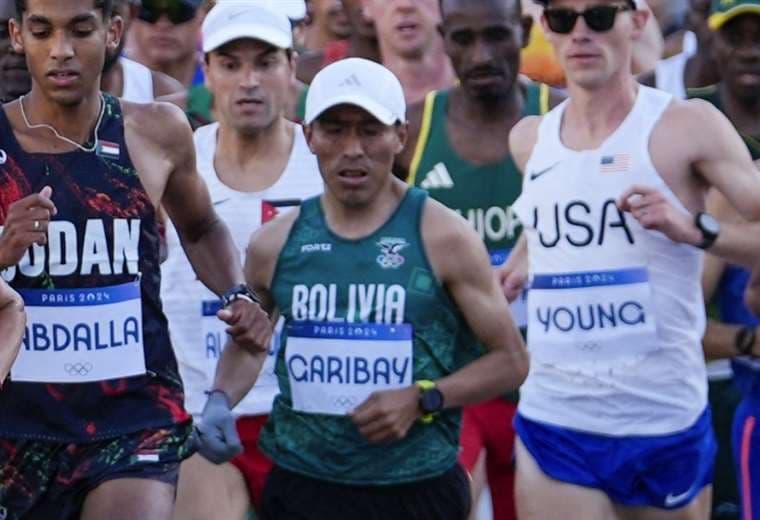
x: 112, y: 80
x: 489, y: 110
x: 431, y: 70
x: 244, y: 149
x: 356, y: 222
x: 74, y: 122
x: 183, y: 70
x: 360, y: 47
x: 744, y: 112
x: 317, y: 39
x: 594, y: 114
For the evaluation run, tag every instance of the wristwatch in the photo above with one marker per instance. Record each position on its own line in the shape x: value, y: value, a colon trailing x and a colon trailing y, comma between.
x: 745, y: 340
x: 239, y: 292
x: 431, y: 400
x: 709, y: 227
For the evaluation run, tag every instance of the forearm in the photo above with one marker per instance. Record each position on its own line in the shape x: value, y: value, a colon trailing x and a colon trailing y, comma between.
x: 496, y: 373
x: 734, y: 246
x: 719, y: 341
x: 214, y: 257
x: 237, y: 371
x: 12, y: 323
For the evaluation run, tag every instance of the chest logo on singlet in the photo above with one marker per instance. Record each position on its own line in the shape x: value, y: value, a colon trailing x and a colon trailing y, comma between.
x: 390, y: 252
x: 438, y: 178
x: 3, y: 156
x: 615, y: 163
x: 536, y: 175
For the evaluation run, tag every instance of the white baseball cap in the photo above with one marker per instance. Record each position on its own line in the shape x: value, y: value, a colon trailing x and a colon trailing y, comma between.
x: 358, y: 82
x: 234, y: 19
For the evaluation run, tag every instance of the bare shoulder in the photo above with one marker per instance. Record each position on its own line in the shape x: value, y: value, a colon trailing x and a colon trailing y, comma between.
x: 164, y: 85
x: 696, y: 124
x: 161, y: 123
x: 178, y: 99
x: 523, y: 138
x: 265, y: 246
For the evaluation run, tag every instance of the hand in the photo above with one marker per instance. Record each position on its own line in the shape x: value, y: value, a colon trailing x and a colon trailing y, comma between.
x: 215, y: 434
x: 654, y: 211
x: 26, y: 224
x: 387, y: 416
x: 512, y: 282
x: 249, y: 325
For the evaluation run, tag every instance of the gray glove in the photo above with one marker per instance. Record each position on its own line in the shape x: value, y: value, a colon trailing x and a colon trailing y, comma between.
x: 215, y: 434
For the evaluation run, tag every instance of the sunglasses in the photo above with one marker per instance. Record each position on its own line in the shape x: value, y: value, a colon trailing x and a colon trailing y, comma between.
x: 600, y: 18
x: 177, y: 11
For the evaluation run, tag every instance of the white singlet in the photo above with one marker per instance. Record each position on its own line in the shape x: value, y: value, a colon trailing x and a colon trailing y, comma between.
x: 138, y: 81
x: 669, y: 73
x: 197, y: 335
x: 615, y: 312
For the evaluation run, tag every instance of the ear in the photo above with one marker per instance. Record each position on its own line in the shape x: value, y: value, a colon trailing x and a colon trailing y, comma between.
x: 402, y: 132
x: 115, y: 33
x: 640, y: 18
x: 17, y: 42
x: 527, y: 25
x: 308, y: 133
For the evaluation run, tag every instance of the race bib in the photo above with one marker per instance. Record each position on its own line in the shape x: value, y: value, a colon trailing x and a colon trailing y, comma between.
x: 333, y: 368
x: 81, y: 335
x: 591, y: 317
x: 215, y: 338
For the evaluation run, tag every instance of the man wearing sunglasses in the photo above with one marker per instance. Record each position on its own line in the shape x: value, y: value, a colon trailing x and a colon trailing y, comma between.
x: 165, y: 38
x: 613, y: 419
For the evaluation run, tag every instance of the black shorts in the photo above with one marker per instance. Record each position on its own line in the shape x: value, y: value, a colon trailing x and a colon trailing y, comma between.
x: 50, y: 480
x: 290, y: 496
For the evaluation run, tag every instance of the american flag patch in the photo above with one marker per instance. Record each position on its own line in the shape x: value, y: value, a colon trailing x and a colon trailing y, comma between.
x: 616, y: 163
x: 109, y: 149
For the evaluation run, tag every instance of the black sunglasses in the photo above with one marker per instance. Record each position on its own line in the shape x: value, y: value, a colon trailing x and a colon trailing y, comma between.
x: 600, y: 18
x: 177, y: 11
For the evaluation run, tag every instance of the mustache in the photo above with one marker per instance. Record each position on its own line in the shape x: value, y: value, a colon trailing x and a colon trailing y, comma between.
x: 485, y: 70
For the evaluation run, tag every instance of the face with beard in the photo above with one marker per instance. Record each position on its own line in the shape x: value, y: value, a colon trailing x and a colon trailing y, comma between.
x: 126, y: 9
x: 14, y: 76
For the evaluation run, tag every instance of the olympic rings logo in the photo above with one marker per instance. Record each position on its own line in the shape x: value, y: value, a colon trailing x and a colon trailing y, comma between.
x: 78, y: 369
x: 344, y: 401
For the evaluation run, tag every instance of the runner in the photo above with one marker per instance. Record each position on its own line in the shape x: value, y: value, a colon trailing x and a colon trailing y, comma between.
x: 12, y: 322
x: 410, y: 45
x: 737, y: 51
x: 457, y: 152
x: 256, y: 164
x: 91, y: 422
x: 14, y: 77
x: 128, y: 79
x: 613, y: 419
x: 373, y: 433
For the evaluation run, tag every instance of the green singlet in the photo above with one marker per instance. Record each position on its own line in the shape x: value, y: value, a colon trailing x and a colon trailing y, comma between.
x: 383, y: 280
x: 483, y: 194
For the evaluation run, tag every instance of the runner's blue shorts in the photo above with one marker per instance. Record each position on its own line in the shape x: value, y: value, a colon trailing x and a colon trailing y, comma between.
x: 664, y: 471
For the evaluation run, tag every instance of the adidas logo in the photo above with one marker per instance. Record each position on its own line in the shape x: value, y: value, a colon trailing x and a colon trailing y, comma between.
x: 438, y: 178
x: 351, y: 81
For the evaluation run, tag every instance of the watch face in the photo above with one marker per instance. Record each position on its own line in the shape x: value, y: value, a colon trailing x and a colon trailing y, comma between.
x: 708, y: 224
x: 432, y: 400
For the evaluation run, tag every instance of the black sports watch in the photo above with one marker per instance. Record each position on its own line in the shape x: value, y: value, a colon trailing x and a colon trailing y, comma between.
x: 431, y: 400
x: 709, y: 227
x: 745, y: 340
x: 239, y: 292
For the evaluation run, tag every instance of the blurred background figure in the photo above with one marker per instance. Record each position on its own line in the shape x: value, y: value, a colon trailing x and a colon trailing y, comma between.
x: 671, y: 17
x: 361, y: 43
x: 14, y: 77
x: 410, y: 45
x: 165, y: 37
x: 326, y: 23
x: 128, y: 79
x: 694, y: 66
